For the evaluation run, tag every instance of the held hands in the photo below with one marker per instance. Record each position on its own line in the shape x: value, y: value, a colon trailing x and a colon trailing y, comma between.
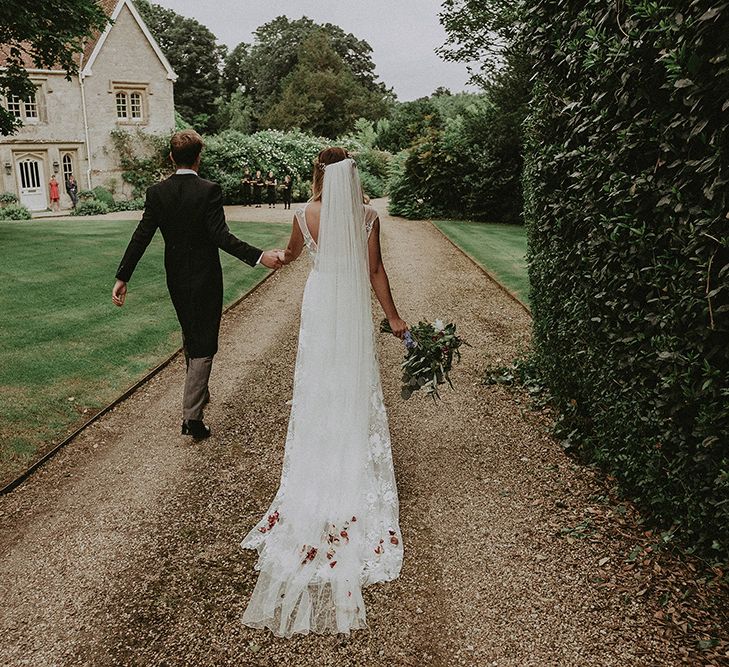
x: 119, y: 293
x: 272, y: 259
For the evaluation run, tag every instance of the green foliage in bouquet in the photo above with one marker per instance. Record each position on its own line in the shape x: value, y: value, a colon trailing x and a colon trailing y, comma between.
x: 431, y: 350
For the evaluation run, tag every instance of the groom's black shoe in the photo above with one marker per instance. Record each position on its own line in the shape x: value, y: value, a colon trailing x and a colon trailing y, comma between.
x: 196, y: 429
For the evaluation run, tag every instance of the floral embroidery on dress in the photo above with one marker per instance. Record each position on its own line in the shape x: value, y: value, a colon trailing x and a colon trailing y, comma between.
x: 370, y: 538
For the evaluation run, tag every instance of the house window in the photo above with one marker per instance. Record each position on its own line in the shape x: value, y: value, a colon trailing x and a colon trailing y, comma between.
x: 25, y: 109
x: 122, y: 110
x: 14, y: 106
x: 67, y: 164
x: 135, y: 104
x: 130, y: 105
x: 31, y: 107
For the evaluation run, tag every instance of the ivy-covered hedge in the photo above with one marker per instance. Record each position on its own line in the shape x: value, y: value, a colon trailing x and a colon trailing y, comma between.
x: 627, y: 175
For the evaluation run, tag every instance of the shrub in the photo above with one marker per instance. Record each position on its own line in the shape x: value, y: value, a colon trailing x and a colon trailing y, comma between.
x: 8, y: 198
x: 373, y: 186
x: 86, y: 194
x: 422, y: 183
x: 103, y: 195
x: 226, y: 155
x: 405, y: 196
x: 626, y: 181
x: 468, y: 165
x: 91, y: 207
x: 14, y: 212
x: 128, y: 205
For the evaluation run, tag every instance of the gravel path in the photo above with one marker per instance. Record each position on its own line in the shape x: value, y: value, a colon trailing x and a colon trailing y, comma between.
x: 124, y: 549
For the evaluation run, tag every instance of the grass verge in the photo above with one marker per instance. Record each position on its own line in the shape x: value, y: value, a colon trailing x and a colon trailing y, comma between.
x: 66, y: 351
x: 500, y: 249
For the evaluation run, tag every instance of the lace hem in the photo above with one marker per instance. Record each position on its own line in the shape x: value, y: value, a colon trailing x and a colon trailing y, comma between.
x: 317, y: 588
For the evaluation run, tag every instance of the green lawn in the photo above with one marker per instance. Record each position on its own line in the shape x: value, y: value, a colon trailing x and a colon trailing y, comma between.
x: 500, y: 249
x: 65, y: 350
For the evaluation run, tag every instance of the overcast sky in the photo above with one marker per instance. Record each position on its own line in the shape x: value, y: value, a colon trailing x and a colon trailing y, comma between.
x: 403, y: 33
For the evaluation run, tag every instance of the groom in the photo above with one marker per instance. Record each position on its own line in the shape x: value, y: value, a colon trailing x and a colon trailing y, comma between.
x: 189, y: 212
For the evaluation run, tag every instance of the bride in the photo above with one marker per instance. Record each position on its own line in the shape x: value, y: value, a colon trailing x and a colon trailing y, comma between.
x: 332, y: 527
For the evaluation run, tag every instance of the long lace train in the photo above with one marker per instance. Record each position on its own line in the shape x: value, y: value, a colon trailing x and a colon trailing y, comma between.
x: 332, y: 527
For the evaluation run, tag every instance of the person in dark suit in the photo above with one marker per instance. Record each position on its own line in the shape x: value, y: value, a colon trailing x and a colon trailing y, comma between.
x: 247, y: 187
x: 258, y: 189
x: 72, y: 189
x: 287, y: 185
x: 189, y: 212
x: 271, y: 184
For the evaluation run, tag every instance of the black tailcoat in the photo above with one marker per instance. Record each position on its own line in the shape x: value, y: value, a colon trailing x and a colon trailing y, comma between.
x: 189, y: 212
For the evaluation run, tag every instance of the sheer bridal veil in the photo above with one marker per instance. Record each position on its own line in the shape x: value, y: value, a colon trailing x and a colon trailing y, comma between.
x: 313, y: 548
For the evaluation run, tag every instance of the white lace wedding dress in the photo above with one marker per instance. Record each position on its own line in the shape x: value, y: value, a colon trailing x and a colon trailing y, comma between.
x: 332, y: 527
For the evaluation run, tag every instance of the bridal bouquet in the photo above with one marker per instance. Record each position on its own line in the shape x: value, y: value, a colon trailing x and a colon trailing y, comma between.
x: 431, y: 349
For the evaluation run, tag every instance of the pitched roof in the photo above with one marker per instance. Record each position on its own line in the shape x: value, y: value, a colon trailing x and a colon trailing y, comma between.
x: 92, y: 46
x: 108, y: 6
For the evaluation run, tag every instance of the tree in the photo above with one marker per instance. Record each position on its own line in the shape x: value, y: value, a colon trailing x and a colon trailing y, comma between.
x: 489, y: 33
x: 46, y: 34
x: 408, y: 122
x: 234, y: 113
x: 235, y: 70
x: 481, y: 32
x: 275, y: 54
x: 321, y: 94
x: 195, y: 56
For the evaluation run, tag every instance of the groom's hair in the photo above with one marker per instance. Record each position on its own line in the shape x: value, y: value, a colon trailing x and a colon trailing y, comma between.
x: 185, y: 147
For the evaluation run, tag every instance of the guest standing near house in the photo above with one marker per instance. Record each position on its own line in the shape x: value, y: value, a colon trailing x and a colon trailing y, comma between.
x: 54, y: 194
x: 246, y: 187
x: 287, y: 187
x: 258, y: 189
x: 72, y: 189
x: 271, y: 184
x: 66, y: 131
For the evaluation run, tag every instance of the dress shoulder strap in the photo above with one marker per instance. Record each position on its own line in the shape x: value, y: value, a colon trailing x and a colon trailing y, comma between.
x: 300, y: 215
x: 371, y: 216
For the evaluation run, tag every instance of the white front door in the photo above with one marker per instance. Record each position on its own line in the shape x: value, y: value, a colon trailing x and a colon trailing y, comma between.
x: 32, y: 183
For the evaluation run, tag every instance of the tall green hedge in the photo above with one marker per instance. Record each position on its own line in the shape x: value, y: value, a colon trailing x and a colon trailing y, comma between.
x: 626, y: 182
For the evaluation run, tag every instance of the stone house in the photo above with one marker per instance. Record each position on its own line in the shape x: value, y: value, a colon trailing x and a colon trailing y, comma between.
x: 124, y: 83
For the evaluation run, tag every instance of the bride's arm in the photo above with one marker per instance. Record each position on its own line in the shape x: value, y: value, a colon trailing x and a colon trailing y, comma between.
x: 381, y: 284
x: 296, y: 244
